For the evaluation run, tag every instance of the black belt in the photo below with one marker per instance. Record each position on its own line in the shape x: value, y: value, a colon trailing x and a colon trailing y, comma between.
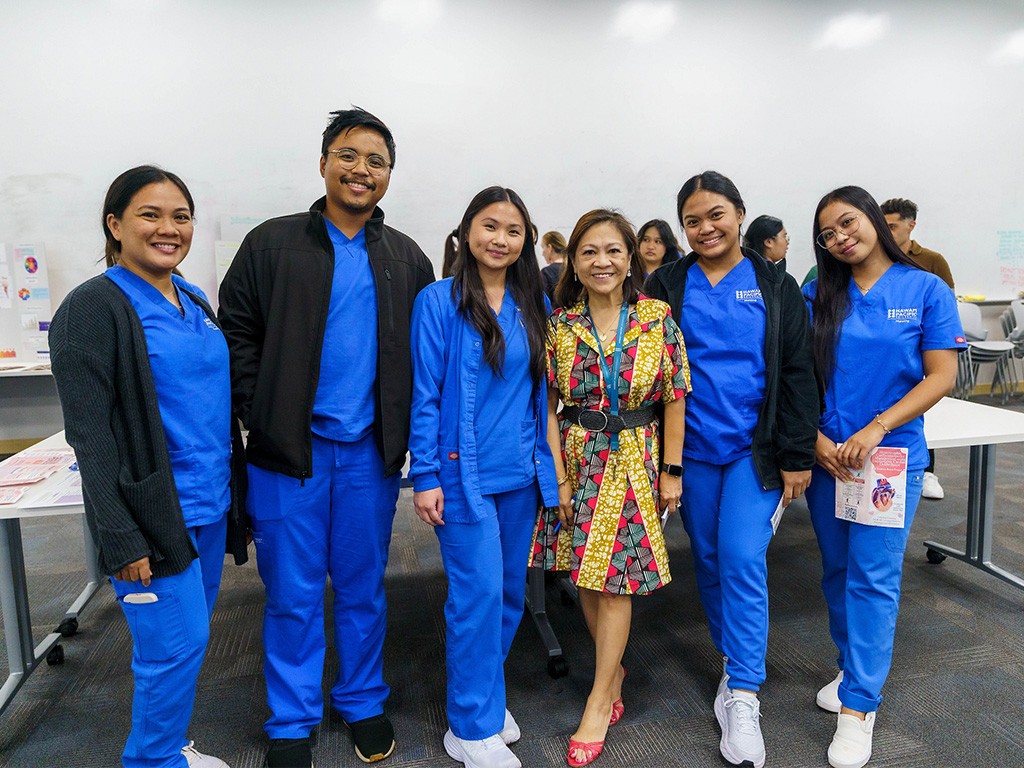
x: 602, y: 420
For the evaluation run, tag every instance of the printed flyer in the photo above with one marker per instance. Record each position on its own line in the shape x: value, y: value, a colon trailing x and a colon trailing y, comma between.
x: 877, y: 495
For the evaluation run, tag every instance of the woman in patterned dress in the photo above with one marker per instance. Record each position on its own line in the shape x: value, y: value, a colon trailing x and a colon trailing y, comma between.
x: 612, y: 486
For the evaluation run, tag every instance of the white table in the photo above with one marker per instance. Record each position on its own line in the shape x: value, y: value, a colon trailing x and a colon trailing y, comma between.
x: 958, y: 423
x: 22, y: 657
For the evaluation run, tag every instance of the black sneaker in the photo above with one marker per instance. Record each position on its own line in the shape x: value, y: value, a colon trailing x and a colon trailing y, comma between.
x: 374, y: 738
x: 290, y: 753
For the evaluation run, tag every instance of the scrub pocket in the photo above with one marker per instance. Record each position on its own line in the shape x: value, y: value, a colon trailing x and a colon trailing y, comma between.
x: 271, y: 495
x: 159, y: 631
x: 896, y: 538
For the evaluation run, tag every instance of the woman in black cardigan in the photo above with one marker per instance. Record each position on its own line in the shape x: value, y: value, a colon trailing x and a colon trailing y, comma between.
x: 142, y: 372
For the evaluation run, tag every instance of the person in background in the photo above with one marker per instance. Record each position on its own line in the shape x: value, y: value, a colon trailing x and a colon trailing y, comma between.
x: 480, y: 458
x: 873, y: 311
x: 451, y: 250
x: 553, y: 250
x: 316, y: 309
x: 613, y: 356
x: 901, y: 215
x: 767, y: 237
x: 658, y: 244
x: 142, y: 371
x: 750, y: 428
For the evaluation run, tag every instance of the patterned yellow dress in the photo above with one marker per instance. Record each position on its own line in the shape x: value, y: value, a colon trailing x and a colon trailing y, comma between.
x: 615, y: 544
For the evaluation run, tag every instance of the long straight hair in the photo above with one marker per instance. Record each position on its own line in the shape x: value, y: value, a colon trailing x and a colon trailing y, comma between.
x: 668, y: 239
x: 522, y: 279
x: 831, y: 303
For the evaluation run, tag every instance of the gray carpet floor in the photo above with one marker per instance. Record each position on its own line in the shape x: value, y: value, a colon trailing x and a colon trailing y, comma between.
x: 954, y: 697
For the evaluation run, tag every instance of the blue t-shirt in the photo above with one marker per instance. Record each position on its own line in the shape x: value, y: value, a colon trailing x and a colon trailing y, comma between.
x: 878, y: 357
x: 724, y: 331
x: 189, y: 359
x: 504, y: 420
x: 343, y: 407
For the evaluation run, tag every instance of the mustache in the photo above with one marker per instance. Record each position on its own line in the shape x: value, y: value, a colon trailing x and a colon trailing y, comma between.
x: 364, y: 182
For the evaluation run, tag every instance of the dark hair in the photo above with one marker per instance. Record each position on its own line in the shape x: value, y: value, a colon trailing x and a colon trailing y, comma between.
x: 451, y: 250
x: 907, y: 209
x: 710, y: 181
x: 831, y: 303
x: 569, y: 289
x: 762, y: 228
x: 523, y: 281
x: 344, y: 120
x: 556, y: 241
x: 668, y: 238
x: 120, y: 194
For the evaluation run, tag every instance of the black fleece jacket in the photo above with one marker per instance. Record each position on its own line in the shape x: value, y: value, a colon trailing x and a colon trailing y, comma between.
x: 100, y: 363
x: 787, y: 424
x: 273, y: 307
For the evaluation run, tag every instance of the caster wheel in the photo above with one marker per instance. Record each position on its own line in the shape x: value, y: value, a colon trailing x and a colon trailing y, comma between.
x: 935, y: 557
x: 68, y: 627
x: 55, y: 656
x: 558, y: 667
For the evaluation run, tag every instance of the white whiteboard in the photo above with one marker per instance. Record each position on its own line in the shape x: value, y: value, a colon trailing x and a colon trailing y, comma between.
x: 575, y: 105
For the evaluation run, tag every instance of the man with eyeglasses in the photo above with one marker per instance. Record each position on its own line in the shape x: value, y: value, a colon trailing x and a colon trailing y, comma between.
x: 902, y: 217
x: 316, y: 309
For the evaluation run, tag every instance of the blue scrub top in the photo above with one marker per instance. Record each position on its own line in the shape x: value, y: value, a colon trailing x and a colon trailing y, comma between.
x: 343, y: 407
x: 189, y: 359
x: 724, y: 331
x: 878, y: 357
x: 504, y: 416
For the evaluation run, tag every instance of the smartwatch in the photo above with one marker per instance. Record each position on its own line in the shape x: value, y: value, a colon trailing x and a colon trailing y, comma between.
x: 675, y: 470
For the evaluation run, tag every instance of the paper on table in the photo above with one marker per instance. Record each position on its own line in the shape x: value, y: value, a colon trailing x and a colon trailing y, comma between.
x: 66, y: 492
x: 877, y: 495
x: 33, y: 466
x: 11, y: 495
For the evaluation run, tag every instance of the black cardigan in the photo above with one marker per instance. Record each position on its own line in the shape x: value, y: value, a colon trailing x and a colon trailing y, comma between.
x: 100, y: 363
x: 787, y: 424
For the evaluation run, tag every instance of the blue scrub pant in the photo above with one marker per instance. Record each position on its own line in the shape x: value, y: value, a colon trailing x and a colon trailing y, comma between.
x: 169, y: 639
x: 485, y: 563
x: 727, y: 515
x: 863, y: 567
x: 336, y: 523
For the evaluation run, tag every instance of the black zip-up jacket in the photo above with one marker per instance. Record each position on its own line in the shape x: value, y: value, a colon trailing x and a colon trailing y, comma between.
x: 273, y: 308
x: 787, y: 424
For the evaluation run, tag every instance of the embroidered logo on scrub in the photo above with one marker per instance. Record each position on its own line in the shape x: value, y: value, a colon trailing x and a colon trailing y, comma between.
x: 903, y: 315
x: 453, y: 456
x: 754, y: 295
x: 210, y: 323
x: 961, y: 340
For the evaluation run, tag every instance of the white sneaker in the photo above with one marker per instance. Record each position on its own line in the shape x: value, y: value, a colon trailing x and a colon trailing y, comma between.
x: 930, y: 487
x: 828, y: 697
x: 510, y: 732
x: 197, y: 759
x: 482, y: 753
x: 739, y: 715
x: 723, y: 683
x: 851, y: 746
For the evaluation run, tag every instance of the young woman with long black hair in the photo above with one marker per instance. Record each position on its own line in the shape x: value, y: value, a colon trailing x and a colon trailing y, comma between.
x: 885, y: 341
x: 658, y: 245
x: 480, y: 462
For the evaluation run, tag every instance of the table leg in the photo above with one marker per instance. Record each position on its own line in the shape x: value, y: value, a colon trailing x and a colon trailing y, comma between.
x: 980, y: 497
x: 535, y: 604
x: 17, y: 620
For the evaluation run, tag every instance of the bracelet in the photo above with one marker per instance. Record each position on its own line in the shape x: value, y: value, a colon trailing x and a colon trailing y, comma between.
x: 563, y: 480
x: 887, y: 430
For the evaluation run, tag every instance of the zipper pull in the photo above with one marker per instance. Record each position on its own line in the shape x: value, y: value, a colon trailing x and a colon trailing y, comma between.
x: 387, y: 273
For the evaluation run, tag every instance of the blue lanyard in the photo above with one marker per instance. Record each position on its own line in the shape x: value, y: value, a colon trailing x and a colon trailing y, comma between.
x: 611, y: 382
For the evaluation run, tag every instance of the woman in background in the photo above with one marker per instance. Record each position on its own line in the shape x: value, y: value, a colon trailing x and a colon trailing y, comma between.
x: 767, y: 237
x: 451, y: 249
x: 658, y: 244
x: 750, y: 428
x: 553, y: 251
x: 886, y: 336
x: 613, y: 355
x: 480, y: 460
x: 141, y: 367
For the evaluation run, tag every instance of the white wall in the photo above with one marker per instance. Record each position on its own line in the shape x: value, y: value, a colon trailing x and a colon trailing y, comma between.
x: 574, y: 104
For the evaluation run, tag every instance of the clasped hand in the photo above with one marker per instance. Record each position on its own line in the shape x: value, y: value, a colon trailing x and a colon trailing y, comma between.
x: 839, y: 459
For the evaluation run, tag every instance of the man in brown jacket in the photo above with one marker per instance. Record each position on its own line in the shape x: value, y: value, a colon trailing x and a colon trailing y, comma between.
x: 902, y: 217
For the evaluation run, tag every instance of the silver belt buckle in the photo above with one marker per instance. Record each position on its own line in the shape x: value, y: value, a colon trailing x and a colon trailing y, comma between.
x: 602, y: 428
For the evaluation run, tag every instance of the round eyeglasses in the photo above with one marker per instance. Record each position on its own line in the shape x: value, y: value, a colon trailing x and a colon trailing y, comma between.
x: 849, y: 224
x: 349, y: 159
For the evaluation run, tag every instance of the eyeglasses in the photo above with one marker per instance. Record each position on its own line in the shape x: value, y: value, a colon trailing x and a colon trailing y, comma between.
x: 785, y: 237
x: 349, y: 159
x: 850, y: 224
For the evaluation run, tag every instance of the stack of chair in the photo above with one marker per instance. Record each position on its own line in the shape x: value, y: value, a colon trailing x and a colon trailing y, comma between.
x: 981, y: 351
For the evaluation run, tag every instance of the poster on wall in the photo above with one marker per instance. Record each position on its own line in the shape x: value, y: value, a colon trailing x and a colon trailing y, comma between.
x: 24, y: 306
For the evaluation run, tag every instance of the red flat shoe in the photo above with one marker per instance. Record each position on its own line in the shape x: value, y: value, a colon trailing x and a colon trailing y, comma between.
x: 618, y: 708
x: 591, y: 749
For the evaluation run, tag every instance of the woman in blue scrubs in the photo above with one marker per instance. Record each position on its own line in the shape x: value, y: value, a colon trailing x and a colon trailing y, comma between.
x: 750, y: 429
x: 886, y: 335
x: 480, y: 461
x: 142, y: 372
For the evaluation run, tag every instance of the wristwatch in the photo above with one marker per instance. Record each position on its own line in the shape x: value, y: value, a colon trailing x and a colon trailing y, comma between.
x: 675, y: 470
